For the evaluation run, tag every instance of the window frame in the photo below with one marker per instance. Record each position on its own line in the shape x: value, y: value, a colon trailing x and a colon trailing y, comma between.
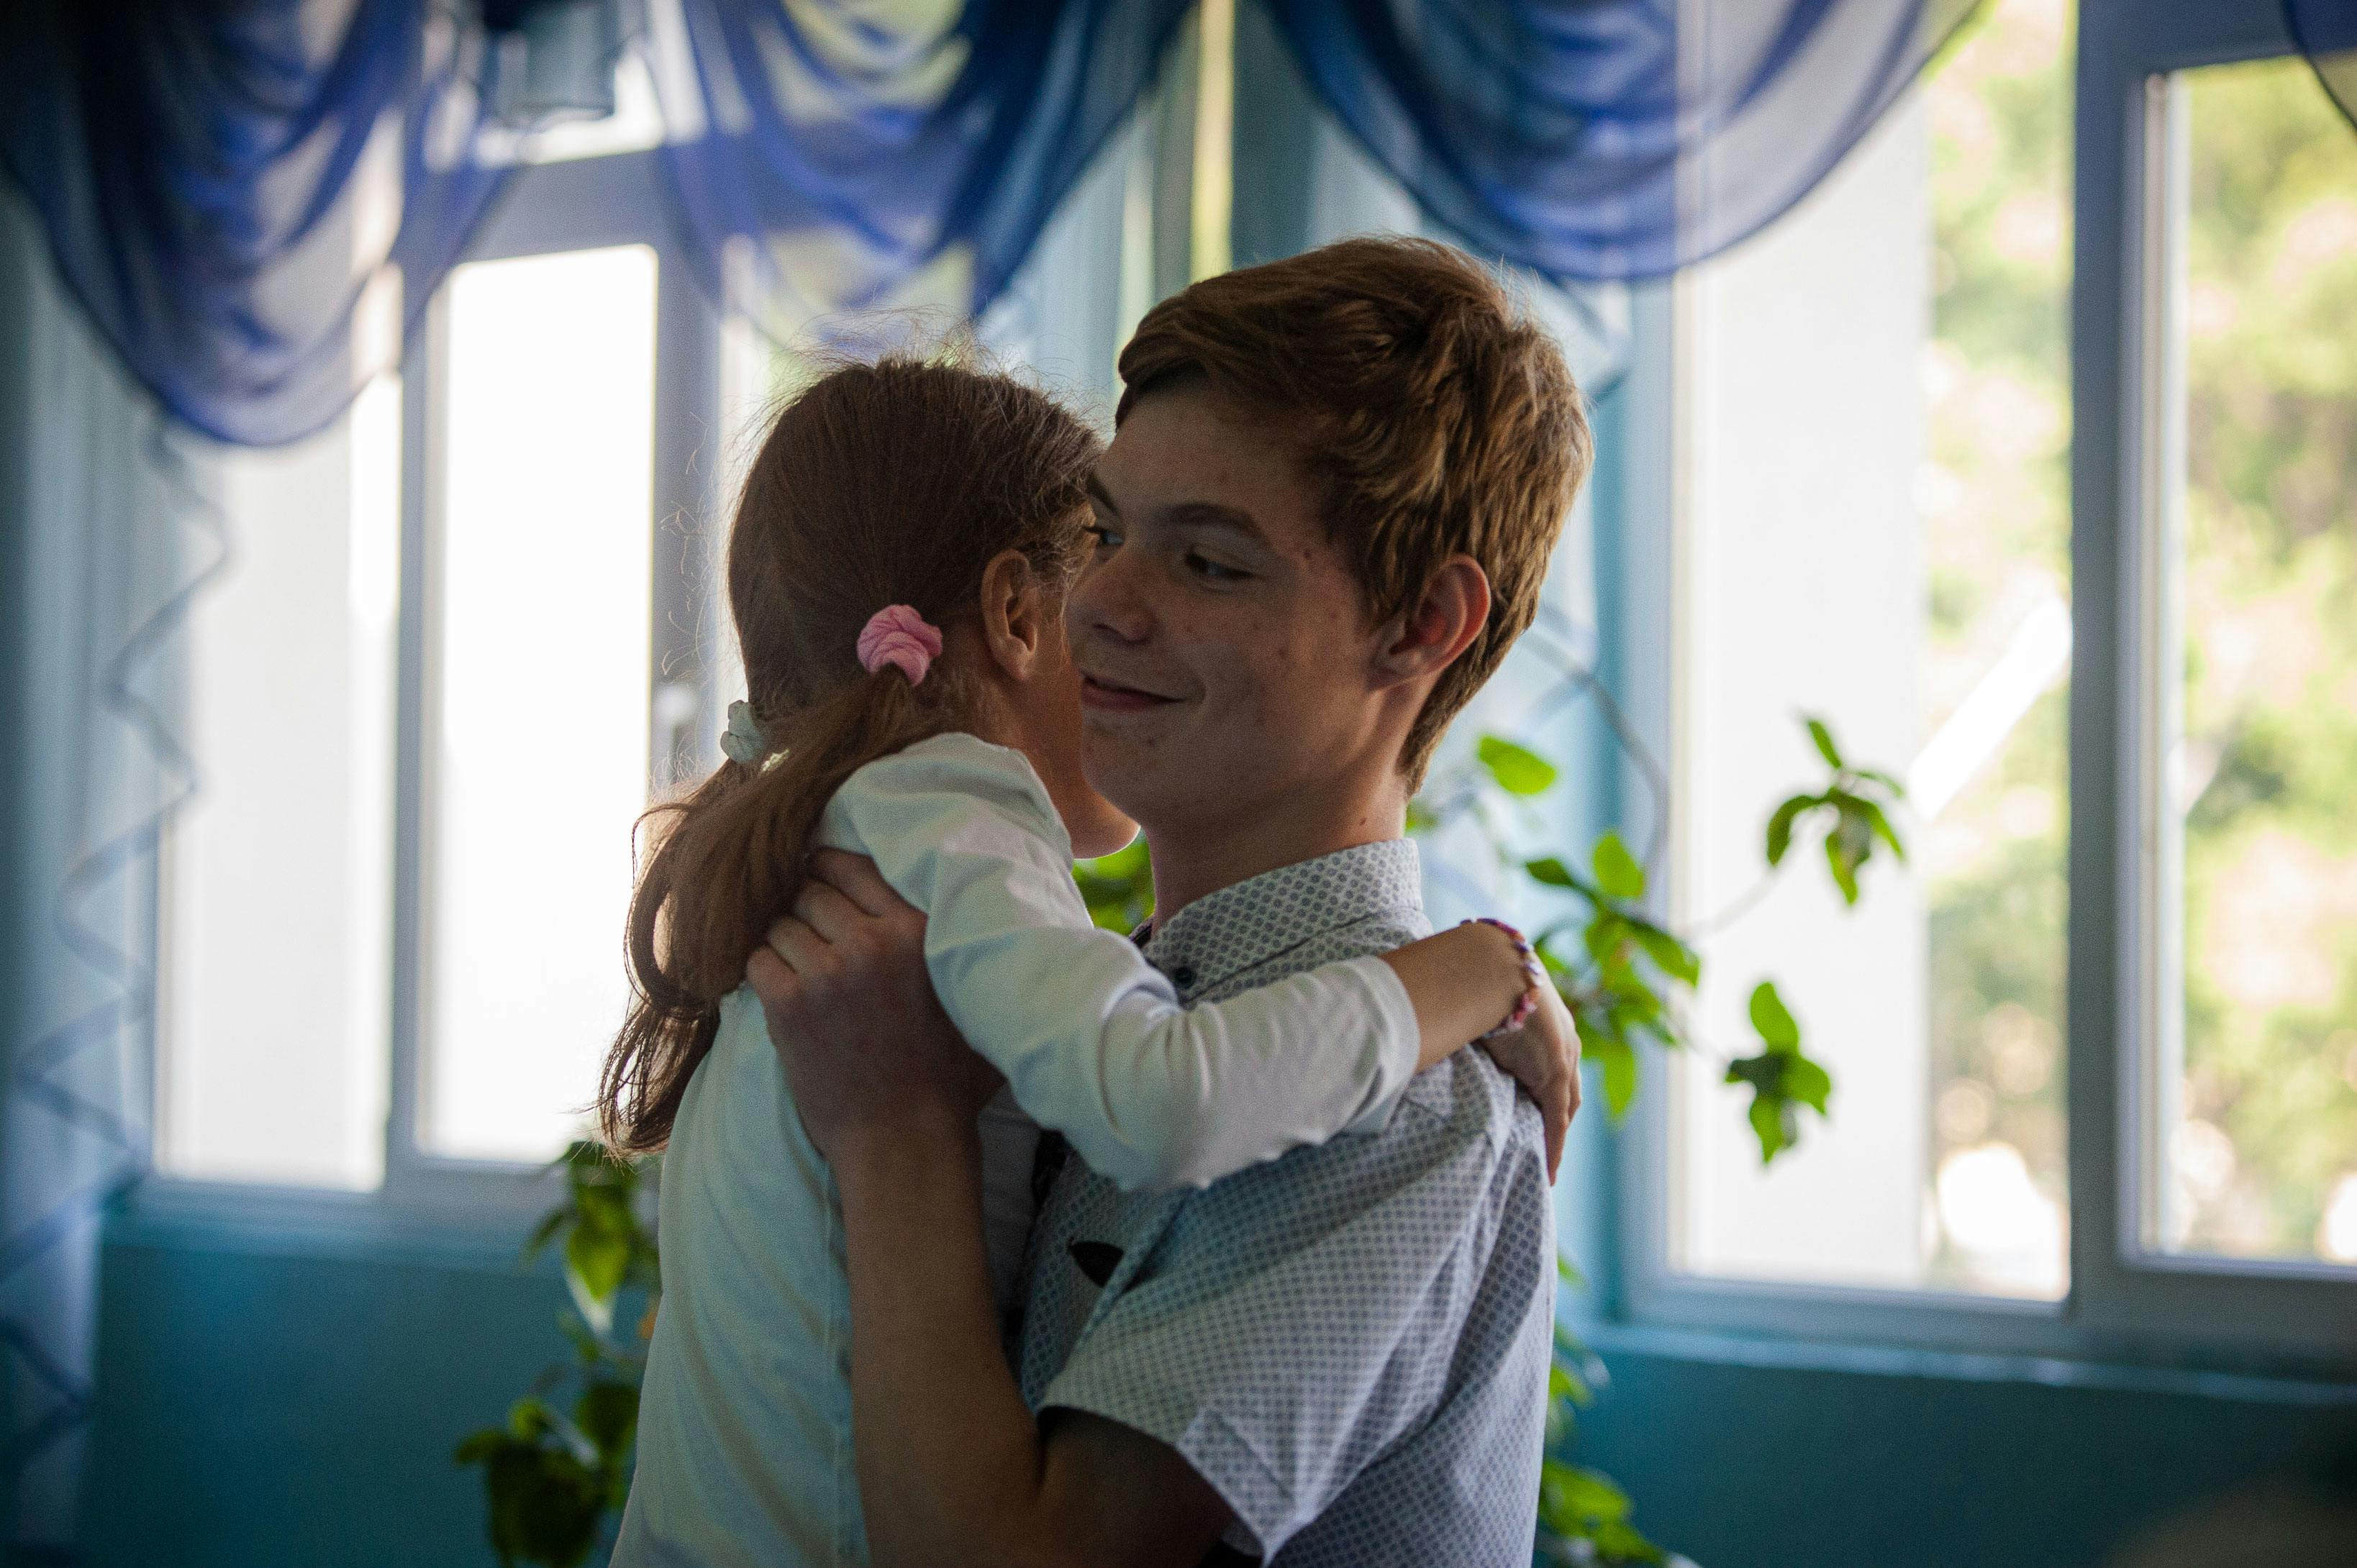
x: 2124, y: 1300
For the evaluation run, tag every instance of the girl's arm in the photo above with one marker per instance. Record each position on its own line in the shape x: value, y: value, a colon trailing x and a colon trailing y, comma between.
x: 1091, y: 1038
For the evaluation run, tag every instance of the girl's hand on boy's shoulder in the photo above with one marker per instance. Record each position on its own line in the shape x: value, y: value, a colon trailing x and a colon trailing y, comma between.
x: 851, y: 1012
x: 1543, y: 1055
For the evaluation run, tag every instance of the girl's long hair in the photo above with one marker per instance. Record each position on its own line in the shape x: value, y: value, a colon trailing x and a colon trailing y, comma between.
x: 894, y: 482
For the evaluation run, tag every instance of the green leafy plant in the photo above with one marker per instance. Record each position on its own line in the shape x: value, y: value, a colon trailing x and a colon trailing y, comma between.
x: 556, y: 1472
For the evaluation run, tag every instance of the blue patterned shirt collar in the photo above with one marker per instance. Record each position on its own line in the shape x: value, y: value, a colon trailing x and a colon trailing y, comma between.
x: 1258, y: 920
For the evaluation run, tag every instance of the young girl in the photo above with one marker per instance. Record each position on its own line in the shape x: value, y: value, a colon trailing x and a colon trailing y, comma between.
x: 896, y: 573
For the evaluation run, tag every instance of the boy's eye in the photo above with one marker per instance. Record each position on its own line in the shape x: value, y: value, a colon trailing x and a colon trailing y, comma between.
x: 1212, y: 570
x: 1104, y: 538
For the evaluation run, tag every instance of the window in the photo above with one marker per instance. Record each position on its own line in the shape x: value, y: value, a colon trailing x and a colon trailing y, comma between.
x: 393, y: 916
x: 276, y: 879
x: 1875, y: 422
x: 537, y: 750
x: 2042, y: 406
x: 2253, y: 1110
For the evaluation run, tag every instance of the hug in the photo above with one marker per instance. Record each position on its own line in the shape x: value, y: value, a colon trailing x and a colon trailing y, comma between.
x: 1029, y: 1243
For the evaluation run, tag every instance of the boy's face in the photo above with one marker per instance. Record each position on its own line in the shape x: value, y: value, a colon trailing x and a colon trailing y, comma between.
x: 1228, y: 668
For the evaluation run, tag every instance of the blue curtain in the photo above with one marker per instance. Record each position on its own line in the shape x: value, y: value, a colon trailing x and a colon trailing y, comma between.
x: 222, y: 185
x: 824, y: 162
x: 2326, y: 31
x: 1618, y: 138
x: 253, y: 202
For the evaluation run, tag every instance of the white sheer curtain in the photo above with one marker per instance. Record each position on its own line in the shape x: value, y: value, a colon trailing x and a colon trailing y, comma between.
x: 107, y: 533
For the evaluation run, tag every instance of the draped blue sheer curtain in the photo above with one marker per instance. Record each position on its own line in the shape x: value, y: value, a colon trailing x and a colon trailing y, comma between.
x: 1620, y: 139
x: 826, y: 162
x: 234, y: 193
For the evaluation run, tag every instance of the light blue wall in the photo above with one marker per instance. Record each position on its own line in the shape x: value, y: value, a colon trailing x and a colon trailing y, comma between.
x: 276, y: 1400
x: 1746, y: 1455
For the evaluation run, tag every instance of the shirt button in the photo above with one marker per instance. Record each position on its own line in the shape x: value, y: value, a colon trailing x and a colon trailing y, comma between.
x: 1183, y: 976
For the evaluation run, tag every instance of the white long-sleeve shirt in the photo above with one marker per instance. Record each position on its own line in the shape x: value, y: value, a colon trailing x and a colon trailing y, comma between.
x: 745, y: 1448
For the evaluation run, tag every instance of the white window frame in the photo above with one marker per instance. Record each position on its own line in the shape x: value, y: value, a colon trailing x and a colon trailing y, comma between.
x: 2127, y: 1300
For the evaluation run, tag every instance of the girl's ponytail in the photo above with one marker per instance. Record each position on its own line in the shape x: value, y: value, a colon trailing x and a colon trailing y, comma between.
x: 721, y: 866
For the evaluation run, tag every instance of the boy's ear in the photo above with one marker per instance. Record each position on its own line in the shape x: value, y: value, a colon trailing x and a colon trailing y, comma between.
x: 1013, y: 622
x: 1433, y: 632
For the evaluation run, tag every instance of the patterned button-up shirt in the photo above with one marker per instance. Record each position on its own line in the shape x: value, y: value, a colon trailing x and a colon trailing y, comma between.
x: 1348, y: 1343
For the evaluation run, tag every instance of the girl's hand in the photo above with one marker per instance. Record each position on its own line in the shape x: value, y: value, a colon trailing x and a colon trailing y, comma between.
x: 1543, y: 1055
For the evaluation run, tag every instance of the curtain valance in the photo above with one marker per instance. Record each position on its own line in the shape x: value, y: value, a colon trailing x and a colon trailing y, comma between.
x: 253, y: 202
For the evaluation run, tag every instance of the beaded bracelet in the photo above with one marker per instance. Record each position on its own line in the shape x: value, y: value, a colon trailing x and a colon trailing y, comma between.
x: 1534, y: 972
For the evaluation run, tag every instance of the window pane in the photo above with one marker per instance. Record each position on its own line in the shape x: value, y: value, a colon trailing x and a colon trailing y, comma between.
x: 276, y: 947
x: 1876, y: 441
x: 2260, y: 1109
x: 539, y: 742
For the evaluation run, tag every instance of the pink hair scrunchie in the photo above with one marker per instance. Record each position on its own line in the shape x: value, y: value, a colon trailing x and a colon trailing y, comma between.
x: 897, y: 635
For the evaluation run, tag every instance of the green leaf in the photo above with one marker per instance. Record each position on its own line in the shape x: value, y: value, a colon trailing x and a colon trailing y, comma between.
x: 608, y: 1416
x: 1825, y: 739
x: 1605, y: 936
x: 1671, y: 956
x: 1876, y: 775
x: 1518, y: 769
x: 1807, y: 1082
x: 1564, y: 1384
x: 598, y: 1258
x: 1550, y: 871
x: 1771, y: 1124
x: 1844, y: 868
x: 1880, y: 826
x: 1617, y: 871
x: 1779, y: 826
x: 1773, y: 1019
x: 1618, y: 1062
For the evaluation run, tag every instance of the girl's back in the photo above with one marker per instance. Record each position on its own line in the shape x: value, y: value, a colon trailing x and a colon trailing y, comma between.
x: 745, y: 1413
x: 744, y: 1446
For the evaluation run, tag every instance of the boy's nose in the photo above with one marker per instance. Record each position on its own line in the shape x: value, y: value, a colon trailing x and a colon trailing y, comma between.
x: 1107, y: 600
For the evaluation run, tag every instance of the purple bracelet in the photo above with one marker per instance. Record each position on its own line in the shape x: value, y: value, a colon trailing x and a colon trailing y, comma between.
x: 1533, y: 970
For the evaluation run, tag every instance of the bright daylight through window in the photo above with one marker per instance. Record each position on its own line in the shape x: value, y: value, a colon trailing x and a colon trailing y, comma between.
x: 1874, y: 444
x: 539, y: 719
x: 275, y: 931
x: 2255, y: 1102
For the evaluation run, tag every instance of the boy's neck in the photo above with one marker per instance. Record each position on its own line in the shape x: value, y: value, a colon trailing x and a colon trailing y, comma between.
x: 1198, y: 857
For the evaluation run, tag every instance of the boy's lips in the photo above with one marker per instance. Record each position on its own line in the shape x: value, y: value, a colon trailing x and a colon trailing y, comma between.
x: 1103, y: 695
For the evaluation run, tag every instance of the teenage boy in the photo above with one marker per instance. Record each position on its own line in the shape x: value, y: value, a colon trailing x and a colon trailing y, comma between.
x: 1325, y: 516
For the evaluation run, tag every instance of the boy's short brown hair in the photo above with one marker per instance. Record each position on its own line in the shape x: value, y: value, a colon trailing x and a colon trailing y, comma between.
x: 1440, y: 418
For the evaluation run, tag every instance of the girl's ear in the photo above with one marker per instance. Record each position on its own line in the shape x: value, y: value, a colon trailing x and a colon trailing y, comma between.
x: 1014, y: 627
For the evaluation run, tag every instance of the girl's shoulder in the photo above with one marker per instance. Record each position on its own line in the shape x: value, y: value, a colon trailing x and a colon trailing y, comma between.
x: 941, y: 778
